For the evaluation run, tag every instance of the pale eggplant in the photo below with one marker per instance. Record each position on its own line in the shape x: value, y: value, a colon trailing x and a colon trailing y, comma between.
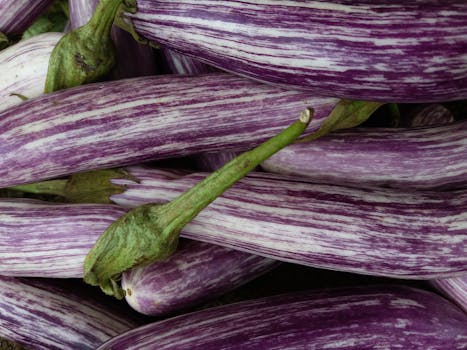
x: 382, y: 232
x: 41, y: 314
x: 129, y: 121
x: 23, y: 68
x: 389, y: 51
x: 454, y: 288
x: 196, y: 273
x: 17, y: 15
x: 389, y: 317
x: 432, y: 157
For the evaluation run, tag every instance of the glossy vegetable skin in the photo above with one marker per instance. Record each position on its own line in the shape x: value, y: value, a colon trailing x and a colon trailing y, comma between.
x: 389, y: 51
x: 360, y: 318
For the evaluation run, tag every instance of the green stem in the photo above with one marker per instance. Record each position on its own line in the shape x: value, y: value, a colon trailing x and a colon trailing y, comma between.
x: 86, y: 54
x: 199, y: 196
x: 103, y: 17
x: 150, y: 232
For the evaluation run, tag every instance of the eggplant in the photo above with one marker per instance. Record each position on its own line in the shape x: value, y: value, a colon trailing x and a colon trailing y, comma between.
x: 41, y: 314
x: 23, y: 68
x: 390, y: 317
x: 16, y: 16
x: 130, y: 121
x: 195, y: 273
x: 388, y: 51
x: 428, y: 158
x: 454, y: 288
x: 382, y: 232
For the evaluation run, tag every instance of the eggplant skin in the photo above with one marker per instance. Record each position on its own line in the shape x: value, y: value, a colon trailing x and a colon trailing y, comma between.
x: 385, y: 317
x: 17, y: 15
x: 45, y: 314
x: 422, y: 158
x: 131, y: 121
x: 389, y: 51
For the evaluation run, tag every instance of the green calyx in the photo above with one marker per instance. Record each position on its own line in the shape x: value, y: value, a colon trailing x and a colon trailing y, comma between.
x: 87, y: 187
x: 346, y: 114
x: 86, y: 54
x: 150, y: 232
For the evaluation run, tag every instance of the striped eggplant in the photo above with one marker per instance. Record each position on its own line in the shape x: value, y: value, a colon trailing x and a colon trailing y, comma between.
x: 432, y: 157
x: 17, y: 15
x: 391, y: 51
x: 132, y: 59
x: 361, y: 318
x: 23, y: 68
x: 41, y: 239
x: 135, y: 120
x: 417, y: 235
x: 196, y: 273
x: 41, y: 314
x: 454, y: 288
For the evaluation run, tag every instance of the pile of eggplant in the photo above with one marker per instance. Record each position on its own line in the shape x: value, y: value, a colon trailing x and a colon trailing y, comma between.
x: 261, y: 174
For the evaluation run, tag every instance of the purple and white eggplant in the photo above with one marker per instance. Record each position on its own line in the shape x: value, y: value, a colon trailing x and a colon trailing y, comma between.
x: 385, y: 51
x: 413, y: 158
x: 454, y: 288
x: 195, y: 273
x: 417, y: 235
x: 125, y: 122
x: 23, y: 68
x: 359, y: 318
x: 49, y: 240
x: 17, y: 15
x: 40, y: 314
